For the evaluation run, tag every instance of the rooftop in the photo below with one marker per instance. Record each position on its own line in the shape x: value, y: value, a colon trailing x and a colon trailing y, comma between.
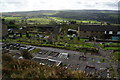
x: 99, y: 28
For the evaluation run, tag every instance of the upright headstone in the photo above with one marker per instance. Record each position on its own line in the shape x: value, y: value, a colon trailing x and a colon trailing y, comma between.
x: 20, y: 34
x: 78, y: 32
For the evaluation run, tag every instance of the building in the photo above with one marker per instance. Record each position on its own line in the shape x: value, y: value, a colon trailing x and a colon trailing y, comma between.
x: 99, y: 31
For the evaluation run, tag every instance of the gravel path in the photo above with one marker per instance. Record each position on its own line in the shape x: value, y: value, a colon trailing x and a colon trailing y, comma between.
x: 61, y: 50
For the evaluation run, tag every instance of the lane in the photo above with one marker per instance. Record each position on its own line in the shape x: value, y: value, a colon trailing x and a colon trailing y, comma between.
x: 59, y: 50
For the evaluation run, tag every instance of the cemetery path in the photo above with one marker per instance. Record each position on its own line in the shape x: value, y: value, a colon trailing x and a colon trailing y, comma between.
x: 60, y: 50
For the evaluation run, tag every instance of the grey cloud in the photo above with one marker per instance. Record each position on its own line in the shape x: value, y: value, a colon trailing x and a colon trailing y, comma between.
x: 14, y: 3
x: 78, y: 2
x: 22, y: 5
x: 42, y: 2
x: 84, y: 4
x: 110, y: 4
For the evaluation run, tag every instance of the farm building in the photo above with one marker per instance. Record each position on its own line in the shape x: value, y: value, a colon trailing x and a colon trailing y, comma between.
x: 99, y: 31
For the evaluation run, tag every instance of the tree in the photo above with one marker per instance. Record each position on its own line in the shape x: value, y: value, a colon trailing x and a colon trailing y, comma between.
x: 72, y: 22
x: 3, y: 20
x: 12, y: 24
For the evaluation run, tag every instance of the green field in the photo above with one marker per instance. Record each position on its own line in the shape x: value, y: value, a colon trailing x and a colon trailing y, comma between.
x: 50, y: 13
x: 48, y: 20
x: 39, y: 20
x: 58, y: 19
x: 12, y: 18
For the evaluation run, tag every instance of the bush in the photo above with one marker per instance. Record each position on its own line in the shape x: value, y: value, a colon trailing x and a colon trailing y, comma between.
x: 26, y: 54
x: 7, y: 58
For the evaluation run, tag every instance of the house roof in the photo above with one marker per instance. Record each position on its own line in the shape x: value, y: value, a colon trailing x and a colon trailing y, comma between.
x: 99, y: 28
x: 46, y: 26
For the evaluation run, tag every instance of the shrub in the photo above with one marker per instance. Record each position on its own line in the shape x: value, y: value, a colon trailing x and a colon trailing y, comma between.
x: 26, y: 54
x: 7, y: 58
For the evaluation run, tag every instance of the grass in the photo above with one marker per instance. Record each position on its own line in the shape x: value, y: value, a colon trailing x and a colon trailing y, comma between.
x: 47, y: 20
x: 112, y: 44
x: 113, y: 73
x: 102, y: 60
x: 35, y: 50
x: 13, y: 68
x: 70, y: 45
x: 0, y: 40
x: 39, y: 20
x: 111, y: 48
x: 58, y: 19
x: 50, y: 13
x: 117, y: 55
x: 12, y: 18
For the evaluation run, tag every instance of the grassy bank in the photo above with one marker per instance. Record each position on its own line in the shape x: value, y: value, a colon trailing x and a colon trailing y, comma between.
x: 29, y: 69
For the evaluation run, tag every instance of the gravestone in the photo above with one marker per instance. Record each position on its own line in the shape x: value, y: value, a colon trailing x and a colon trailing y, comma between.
x: 78, y: 38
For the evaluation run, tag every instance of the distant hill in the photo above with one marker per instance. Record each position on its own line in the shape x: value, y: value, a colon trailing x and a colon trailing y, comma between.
x: 110, y: 16
x: 29, y: 13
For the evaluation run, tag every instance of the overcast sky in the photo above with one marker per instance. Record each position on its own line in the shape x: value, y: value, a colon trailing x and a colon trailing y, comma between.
x: 29, y: 5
